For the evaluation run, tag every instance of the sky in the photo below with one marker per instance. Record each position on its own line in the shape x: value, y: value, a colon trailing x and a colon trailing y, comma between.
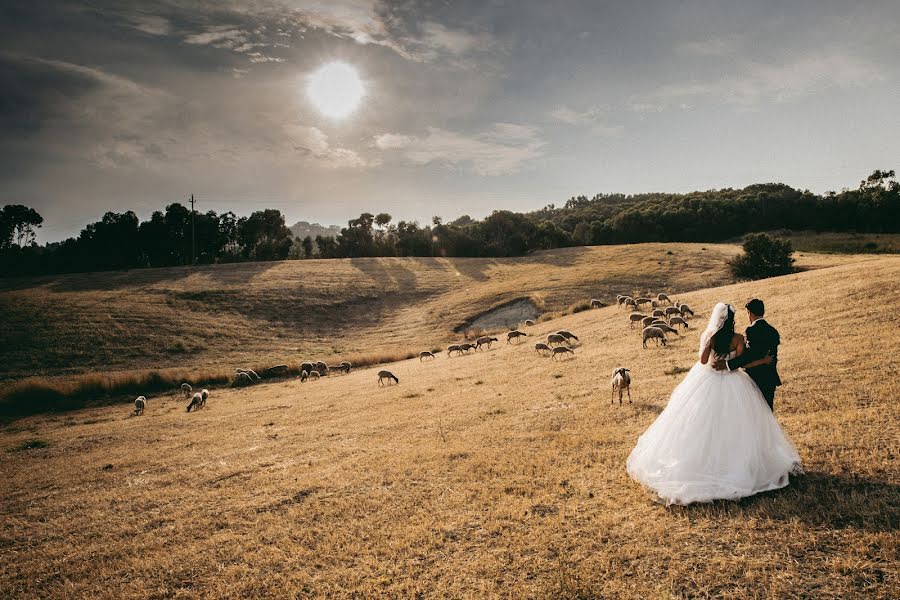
x: 468, y: 107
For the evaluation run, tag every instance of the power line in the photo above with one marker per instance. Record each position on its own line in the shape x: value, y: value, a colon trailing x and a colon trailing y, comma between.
x: 193, y: 235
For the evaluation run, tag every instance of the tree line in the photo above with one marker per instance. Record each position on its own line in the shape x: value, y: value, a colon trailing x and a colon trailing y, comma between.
x: 122, y: 241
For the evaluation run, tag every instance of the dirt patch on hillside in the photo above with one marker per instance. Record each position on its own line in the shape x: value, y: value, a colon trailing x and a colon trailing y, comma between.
x: 508, y: 315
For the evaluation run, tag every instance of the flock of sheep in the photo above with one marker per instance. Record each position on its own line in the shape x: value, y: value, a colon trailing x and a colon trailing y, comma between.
x: 654, y: 326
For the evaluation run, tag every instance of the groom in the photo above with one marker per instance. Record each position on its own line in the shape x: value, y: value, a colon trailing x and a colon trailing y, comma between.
x: 762, y: 340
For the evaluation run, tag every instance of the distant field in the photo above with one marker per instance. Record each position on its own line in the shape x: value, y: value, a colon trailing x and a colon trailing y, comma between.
x: 214, y: 318
x: 843, y: 243
x: 499, y: 474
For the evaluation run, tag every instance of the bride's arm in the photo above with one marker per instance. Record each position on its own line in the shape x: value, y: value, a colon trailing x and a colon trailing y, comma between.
x: 704, y: 356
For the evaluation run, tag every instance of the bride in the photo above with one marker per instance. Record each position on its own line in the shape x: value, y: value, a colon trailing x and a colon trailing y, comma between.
x: 716, y: 438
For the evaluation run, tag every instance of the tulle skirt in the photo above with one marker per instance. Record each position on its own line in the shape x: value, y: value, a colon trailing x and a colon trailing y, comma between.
x: 716, y: 439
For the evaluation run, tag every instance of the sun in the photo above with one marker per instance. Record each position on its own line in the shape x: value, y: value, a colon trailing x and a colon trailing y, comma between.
x: 335, y: 89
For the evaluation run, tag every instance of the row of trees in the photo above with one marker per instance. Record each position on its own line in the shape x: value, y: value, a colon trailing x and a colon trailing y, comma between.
x: 123, y: 241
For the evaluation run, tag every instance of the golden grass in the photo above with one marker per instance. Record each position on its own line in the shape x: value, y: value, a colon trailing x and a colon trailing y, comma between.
x: 497, y: 474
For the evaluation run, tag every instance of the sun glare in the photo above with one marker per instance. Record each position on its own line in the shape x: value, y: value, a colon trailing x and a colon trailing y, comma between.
x: 335, y: 89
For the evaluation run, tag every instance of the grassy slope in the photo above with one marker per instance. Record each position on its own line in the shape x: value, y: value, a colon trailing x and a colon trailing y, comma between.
x: 219, y: 317
x: 496, y: 474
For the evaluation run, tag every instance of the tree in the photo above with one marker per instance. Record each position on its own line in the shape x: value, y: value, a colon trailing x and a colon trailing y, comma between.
x: 264, y: 236
x: 307, y: 244
x: 763, y: 256
x: 17, y: 225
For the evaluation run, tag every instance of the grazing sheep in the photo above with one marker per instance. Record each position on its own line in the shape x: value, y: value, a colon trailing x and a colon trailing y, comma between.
x: 529, y: 322
x: 659, y: 313
x: 645, y: 322
x: 204, y: 394
x: 382, y: 375
x: 560, y: 350
x: 304, y: 375
x: 453, y: 348
x: 314, y: 374
x: 242, y: 379
x: 635, y: 317
x: 671, y: 310
x: 621, y: 381
x: 630, y: 302
x: 465, y: 347
x: 663, y: 298
x: 484, y: 340
x: 139, y: 403
x: 514, y: 335
x: 555, y: 338
x: 322, y: 368
x: 541, y: 348
x: 335, y: 368
x: 568, y: 335
x: 595, y: 303
x: 619, y: 298
x: 307, y: 366
x: 667, y: 329
x: 685, y: 309
x: 677, y: 304
x: 345, y: 366
x: 640, y: 301
x: 196, y: 401
x: 186, y: 390
x: 657, y: 322
x: 424, y: 355
x: 653, y: 333
x: 249, y: 373
x: 678, y: 321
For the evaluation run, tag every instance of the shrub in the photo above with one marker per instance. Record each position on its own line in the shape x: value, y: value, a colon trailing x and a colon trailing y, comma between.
x: 763, y: 256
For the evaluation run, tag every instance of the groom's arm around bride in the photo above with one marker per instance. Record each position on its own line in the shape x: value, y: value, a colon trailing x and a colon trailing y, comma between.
x: 762, y: 340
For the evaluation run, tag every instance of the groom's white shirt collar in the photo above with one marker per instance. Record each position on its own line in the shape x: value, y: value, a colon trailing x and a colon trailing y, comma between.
x: 755, y: 322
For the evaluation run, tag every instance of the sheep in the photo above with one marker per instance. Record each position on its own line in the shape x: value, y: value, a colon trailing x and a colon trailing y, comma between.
x: 555, y: 338
x: 307, y: 366
x: 596, y: 303
x: 640, y: 301
x: 685, y: 309
x: 139, y: 403
x: 568, y: 335
x: 541, y: 348
x: 635, y: 317
x: 465, y: 347
x: 196, y: 401
x: 425, y: 355
x: 659, y: 313
x: 204, y: 394
x: 645, y: 322
x: 186, y: 390
x: 677, y: 304
x: 657, y: 322
x: 514, y: 335
x: 529, y: 322
x: 663, y: 298
x: 622, y: 300
x: 452, y: 348
x: 653, y: 333
x: 382, y: 375
x: 314, y: 374
x: 345, y: 366
x: 678, y: 321
x: 667, y: 329
x: 619, y: 298
x: 249, y: 373
x: 560, y: 350
x: 304, y: 375
x: 654, y: 305
x: 322, y: 368
x: 671, y: 310
x: 621, y: 381
x: 484, y: 340
x: 242, y: 379
x: 630, y: 302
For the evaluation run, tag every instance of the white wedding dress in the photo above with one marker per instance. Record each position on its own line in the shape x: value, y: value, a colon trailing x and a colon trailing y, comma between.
x: 715, y: 439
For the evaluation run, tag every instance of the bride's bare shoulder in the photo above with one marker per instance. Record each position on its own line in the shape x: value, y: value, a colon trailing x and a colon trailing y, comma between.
x: 737, y: 340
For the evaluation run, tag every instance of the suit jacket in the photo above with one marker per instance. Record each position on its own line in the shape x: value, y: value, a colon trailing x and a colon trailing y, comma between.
x: 762, y: 339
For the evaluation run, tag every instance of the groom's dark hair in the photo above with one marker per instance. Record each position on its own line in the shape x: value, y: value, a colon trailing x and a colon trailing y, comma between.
x: 757, y: 307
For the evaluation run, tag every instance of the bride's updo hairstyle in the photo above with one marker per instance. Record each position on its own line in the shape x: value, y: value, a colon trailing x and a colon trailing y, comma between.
x: 722, y: 338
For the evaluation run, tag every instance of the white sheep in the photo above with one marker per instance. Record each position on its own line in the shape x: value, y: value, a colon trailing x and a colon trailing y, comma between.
x: 653, y: 333
x: 322, y: 368
x: 139, y: 404
x: 621, y: 381
x: 597, y: 303
x: 425, y: 355
x: 529, y: 322
x: 382, y: 375
x: 645, y: 322
x: 241, y: 379
x: 186, y: 390
x: 304, y: 375
x: 346, y: 366
x: 313, y: 374
x: 196, y: 402
x: 307, y: 366
x: 204, y: 394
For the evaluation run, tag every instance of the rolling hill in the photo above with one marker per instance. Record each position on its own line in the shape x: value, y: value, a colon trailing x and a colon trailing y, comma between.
x: 498, y: 474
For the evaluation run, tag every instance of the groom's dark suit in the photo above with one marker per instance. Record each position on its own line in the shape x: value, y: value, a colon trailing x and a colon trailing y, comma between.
x: 762, y: 339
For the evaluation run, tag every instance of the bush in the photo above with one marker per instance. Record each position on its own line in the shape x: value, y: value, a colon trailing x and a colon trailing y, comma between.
x: 763, y: 256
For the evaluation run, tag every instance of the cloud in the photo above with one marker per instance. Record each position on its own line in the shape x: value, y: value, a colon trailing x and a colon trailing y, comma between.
x: 313, y: 143
x: 768, y: 82
x: 151, y: 24
x: 593, y: 119
x: 714, y: 46
x: 502, y: 149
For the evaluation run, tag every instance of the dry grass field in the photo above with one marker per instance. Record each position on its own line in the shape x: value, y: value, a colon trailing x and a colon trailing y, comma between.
x: 498, y: 474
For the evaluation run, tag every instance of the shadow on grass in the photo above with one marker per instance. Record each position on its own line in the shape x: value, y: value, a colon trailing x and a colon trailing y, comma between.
x: 820, y: 500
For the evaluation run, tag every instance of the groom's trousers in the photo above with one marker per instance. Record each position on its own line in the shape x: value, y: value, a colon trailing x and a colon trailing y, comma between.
x: 768, y: 393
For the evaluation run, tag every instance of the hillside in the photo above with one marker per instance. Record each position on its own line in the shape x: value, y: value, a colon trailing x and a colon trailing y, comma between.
x: 499, y: 474
x: 301, y: 229
x: 221, y: 316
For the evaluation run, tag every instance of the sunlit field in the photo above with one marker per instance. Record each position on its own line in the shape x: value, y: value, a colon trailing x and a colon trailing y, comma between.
x: 494, y: 474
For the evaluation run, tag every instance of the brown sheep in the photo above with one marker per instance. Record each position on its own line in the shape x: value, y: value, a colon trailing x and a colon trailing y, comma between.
x: 424, y: 355
x: 560, y: 350
x: 678, y: 321
x: 382, y: 375
x: 484, y: 340
x: 514, y: 335
x: 635, y: 317
x: 555, y: 338
x: 540, y: 348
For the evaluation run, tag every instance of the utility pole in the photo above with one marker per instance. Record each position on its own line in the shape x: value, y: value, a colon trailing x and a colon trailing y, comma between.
x: 193, y: 236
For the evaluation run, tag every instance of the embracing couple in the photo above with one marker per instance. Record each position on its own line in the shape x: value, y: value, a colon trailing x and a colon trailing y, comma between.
x: 717, y: 438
